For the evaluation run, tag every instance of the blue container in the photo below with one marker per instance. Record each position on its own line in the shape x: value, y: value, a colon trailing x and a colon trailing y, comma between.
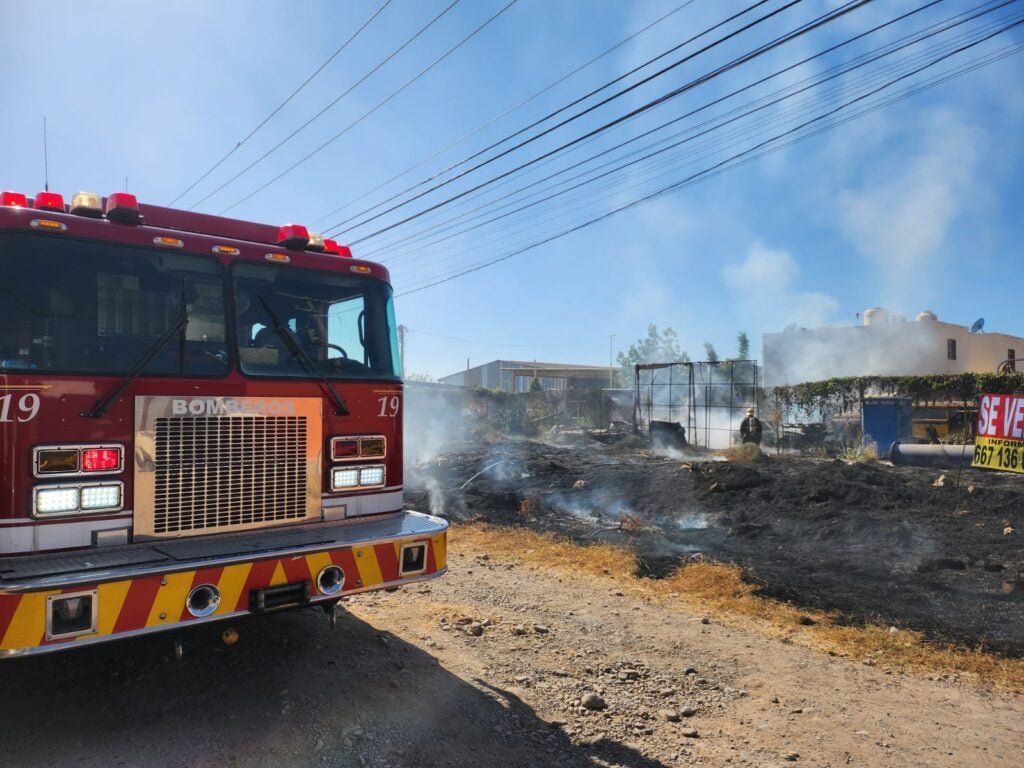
x: 886, y: 420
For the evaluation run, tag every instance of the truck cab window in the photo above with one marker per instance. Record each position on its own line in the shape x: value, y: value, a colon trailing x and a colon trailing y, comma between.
x: 342, y: 324
x: 98, y: 309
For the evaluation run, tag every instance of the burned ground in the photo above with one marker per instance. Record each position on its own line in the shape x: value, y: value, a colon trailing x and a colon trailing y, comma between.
x: 871, y: 541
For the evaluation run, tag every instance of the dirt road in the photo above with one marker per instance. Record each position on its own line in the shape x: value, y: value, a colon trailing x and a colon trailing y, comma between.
x: 495, y: 664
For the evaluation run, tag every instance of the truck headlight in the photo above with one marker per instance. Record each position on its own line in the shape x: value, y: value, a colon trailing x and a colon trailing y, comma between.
x: 371, y: 476
x: 344, y: 478
x: 101, y: 497
x: 347, y: 478
x: 56, y: 501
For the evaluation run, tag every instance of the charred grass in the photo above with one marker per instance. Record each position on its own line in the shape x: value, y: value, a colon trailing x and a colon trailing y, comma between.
x: 719, y: 588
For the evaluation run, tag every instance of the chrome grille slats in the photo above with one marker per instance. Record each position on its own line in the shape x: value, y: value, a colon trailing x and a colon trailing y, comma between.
x: 206, y: 465
x: 228, y: 472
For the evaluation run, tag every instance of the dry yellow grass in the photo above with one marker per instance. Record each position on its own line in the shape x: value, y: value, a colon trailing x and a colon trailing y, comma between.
x: 719, y: 588
x: 745, y: 453
x: 858, y: 453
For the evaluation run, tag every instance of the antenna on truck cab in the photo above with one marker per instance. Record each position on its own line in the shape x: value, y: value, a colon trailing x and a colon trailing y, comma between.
x: 46, y: 161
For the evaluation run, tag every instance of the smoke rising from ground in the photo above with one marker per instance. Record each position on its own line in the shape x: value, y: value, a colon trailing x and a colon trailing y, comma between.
x: 901, y: 216
x: 436, y: 421
x: 883, y: 349
x: 766, y: 293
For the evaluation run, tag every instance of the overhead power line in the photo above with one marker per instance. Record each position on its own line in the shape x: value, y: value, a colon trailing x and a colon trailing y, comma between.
x: 560, y: 110
x: 478, y: 248
x: 697, y: 132
x: 319, y: 114
x: 939, y: 80
x: 427, y: 268
x: 765, y: 102
x: 504, y: 113
x: 771, y: 144
x: 280, y: 106
x: 576, y: 116
x: 865, y: 109
x: 820, y: 21
x: 379, y: 104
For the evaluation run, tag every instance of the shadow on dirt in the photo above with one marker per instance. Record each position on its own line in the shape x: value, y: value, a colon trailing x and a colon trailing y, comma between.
x: 291, y: 692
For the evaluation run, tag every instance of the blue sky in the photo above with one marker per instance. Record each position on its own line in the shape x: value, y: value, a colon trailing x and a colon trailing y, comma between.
x: 913, y: 206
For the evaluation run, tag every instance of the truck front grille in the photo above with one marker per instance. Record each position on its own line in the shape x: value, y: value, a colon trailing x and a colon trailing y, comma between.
x: 228, y: 472
x: 218, y: 464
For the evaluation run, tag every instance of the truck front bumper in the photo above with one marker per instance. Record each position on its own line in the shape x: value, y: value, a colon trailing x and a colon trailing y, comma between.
x: 141, y: 588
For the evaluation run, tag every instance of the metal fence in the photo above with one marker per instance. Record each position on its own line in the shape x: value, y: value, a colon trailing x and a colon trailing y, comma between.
x: 709, y: 400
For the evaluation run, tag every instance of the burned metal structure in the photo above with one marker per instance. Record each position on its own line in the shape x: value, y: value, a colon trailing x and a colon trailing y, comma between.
x: 707, y: 400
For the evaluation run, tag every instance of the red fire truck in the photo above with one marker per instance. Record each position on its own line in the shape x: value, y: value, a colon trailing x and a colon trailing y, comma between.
x: 200, y: 419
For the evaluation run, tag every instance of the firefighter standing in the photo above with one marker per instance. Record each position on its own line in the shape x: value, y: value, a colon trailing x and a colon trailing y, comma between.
x: 750, y: 428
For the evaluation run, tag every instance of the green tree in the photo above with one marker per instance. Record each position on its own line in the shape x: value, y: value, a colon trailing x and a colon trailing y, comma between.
x: 657, y: 347
x: 426, y: 377
x: 709, y: 350
x: 742, y: 346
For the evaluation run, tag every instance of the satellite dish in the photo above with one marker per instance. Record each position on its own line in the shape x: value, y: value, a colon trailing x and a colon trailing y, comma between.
x: 978, y: 325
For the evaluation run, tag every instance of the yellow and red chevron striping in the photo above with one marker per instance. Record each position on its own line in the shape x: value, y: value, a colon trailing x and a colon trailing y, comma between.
x: 157, y: 601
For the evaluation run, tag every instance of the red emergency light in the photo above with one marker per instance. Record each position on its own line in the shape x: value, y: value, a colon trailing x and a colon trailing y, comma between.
x: 293, y: 236
x: 101, y: 459
x: 49, y: 201
x: 123, y: 207
x: 331, y: 246
x: 13, y: 199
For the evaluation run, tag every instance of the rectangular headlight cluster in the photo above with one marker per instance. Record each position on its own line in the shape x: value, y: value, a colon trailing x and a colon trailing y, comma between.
x: 355, y: 447
x: 56, y: 460
x: 56, y: 500
x: 347, y: 478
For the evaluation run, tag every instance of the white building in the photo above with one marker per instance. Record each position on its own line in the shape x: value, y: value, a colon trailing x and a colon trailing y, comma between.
x: 885, y: 345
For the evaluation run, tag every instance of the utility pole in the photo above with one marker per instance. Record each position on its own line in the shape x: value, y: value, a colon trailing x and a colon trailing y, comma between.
x: 401, y: 347
x: 611, y: 369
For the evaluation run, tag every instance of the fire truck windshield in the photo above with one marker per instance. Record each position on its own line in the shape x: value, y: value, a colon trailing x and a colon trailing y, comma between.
x: 82, y: 307
x: 71, y: 306
x: 344, y: 324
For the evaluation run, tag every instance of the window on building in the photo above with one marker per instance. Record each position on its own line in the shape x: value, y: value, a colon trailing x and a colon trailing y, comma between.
x: 1011, y: 358
x: 951, y: 349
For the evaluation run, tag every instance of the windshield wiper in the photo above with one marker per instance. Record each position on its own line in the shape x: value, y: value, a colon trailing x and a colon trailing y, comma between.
x: 285, y: 334
x: 101, y: 406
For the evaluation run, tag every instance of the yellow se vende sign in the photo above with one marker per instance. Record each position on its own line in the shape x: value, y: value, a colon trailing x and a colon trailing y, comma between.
x: 1000, y: 437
